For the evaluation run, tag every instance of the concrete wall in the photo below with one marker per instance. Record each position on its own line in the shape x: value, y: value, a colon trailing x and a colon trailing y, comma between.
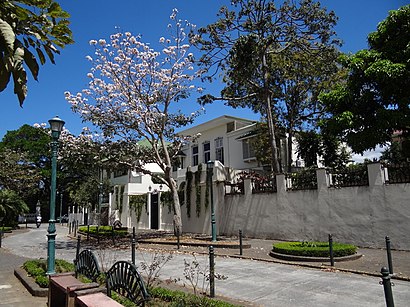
x: 361, y: 215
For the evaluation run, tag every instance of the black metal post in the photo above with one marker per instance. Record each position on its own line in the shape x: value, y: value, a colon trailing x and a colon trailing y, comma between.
x: 389, y: 259
x: 240, y: 243
x: 211, y: 271
x: 177, y: 238
x: 112, y: 234
x: 77, y: 252
x: 69, y: 227
x: 332, y: 261
x: 133, y: 250
x: 388, y: 293
x: 133, y: 232
x: 88, y: 232
x: 75, y: 228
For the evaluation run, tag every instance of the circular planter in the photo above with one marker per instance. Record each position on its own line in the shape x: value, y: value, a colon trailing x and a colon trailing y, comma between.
x: 313, y: 251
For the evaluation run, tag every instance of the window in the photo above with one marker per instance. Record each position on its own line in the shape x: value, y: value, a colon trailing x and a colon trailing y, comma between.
x: 207, y: 151
x: 219, y: 150
x: 247, y: 149
x: 195, y: 155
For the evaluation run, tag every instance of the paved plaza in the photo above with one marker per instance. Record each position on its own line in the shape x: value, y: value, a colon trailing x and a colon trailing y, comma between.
x: 260, y: 282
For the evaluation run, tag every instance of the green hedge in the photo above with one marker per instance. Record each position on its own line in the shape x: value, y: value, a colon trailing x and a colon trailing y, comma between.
x: 38, y: 268
x: 313, y: 249
x: 104, y: 231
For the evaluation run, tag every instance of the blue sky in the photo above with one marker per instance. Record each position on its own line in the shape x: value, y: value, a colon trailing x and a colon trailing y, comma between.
x: 94, y: 19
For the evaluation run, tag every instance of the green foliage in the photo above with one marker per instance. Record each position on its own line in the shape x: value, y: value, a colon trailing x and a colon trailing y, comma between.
x: 167, y: 199
x: 189, y: 177
x: 372, y: 102
x: 104, y: 230
x: 269, y: 54
x: 38, y: 268
x: 313, y: 249
x: 397, y: 153
x: 304, y: 180
x: 179, y: 298
x: 26, y: 26
x: 136, y: 203
x: 11, y: 206
x: 197, y: 177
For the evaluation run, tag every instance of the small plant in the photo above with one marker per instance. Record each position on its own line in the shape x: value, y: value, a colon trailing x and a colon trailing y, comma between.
x: 198, y: 276
x: 38, y: 268
x: 153, y: 267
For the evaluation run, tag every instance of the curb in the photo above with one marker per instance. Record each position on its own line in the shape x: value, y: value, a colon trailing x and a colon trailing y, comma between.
x: 214, y: 244
x: 313, y: 259
x: 29, y: 283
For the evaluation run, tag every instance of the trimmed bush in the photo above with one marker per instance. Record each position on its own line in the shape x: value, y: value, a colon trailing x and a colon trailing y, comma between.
x: 104, y: 231
x: 38, y: 268
x: 313, y: 249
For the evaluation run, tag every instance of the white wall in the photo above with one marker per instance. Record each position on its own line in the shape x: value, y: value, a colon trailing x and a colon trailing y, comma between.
x: 361, y: 215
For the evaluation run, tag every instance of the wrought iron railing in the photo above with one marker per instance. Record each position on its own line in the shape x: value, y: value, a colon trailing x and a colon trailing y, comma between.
x: 349, y: 177
x: 398, y: 173
x: 234, y: 188
x: 306, y: 179
x: 264, y: 185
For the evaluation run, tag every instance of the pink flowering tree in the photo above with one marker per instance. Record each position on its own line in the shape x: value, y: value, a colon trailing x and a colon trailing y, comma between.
x: 136, y: 93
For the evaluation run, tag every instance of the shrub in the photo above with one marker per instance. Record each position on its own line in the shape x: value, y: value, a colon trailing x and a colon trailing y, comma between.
x: 104, y: 231
x: 313, y: 249
x: 37, y: 269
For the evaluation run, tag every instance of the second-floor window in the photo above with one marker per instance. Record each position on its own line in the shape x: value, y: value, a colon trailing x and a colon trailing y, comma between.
x: 195, y: 156
x: 207, y: 151
x: 219, y: 150
x: 247, y: 149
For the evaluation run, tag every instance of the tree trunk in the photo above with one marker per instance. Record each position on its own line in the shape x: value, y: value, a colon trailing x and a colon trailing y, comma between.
x: 289, y: 150
x: 269, y: 118
x: 176, y: 204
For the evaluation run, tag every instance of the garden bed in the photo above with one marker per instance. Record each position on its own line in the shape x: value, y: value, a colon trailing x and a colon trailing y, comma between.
x: 313, y: 251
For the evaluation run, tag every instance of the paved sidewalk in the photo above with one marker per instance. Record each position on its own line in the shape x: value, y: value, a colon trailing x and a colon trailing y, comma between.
x: 12, y: 293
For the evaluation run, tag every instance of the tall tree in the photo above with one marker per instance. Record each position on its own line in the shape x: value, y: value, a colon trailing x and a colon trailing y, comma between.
x: 245, y: 42
x: 25, y: 26
x: 11, y: 205
x: 135, y: 93
x: 373, y: 101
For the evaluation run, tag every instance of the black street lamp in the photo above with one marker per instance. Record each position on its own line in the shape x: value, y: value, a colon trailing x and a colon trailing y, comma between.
x: 56, y: 125
x: 210, y: 173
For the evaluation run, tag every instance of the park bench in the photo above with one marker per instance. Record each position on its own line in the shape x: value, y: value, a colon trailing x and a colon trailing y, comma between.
x: 124, y: 279
x: 87, y: 265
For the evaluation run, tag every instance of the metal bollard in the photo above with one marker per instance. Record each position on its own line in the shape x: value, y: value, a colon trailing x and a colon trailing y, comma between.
x: 77, y: 252
x: 211, y: 271
x: 75, y: 229
x: 388, y: 293
x: 88, y: 232
x: 133, y: 251
x: 332, y: 261
x: 69, y: 228
x: 112, y: 235
x: 240, y: 243
x: 133, y: 232
x: 177, y: 238
x: 389, y: 259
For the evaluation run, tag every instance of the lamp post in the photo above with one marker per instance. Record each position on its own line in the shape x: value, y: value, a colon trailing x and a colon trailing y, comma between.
x: 56, y: 125
x: 210, y: 173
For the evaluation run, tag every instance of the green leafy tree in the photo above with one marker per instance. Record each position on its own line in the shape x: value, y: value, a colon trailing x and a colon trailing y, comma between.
x: 373, y: 101
x: 245, y: 45
x: 11, y: 205
x: 25, y: 26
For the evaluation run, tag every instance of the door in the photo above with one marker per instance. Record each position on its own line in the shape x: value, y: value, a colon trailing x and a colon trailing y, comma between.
x: 154, y: 212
